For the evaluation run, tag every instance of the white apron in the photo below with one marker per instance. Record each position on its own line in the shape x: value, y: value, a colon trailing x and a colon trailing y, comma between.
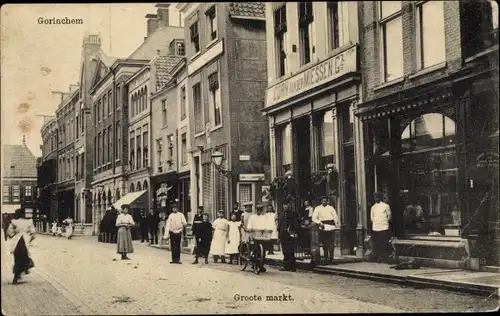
x: 217, y: 248
x: 22, y: 228
x: 69, y: 228
x: 272, y: 224
x: 234, y: 238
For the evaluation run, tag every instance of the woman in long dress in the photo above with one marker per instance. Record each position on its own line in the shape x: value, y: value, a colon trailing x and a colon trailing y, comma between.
x: 233, y: 240
x: 272, y: 218
x: 124, y: 222
x: 54, y: 227
x: 217, y: 248
x: 22, y: 232
x: 205, y: 236
x: 69, y: 227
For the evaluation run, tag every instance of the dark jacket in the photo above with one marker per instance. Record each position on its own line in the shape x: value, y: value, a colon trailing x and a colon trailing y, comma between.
x: 205, y: 231
x: 153, y: 220
x: 143, y: 221
x: 288, y: 219
x: 108, y: 223
x: 197, y: 221
x: 237, y: 213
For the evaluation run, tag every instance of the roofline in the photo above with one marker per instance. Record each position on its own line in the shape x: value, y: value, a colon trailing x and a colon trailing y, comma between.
x: 179, y: 66
x: 100, y: 82
x: 151, y: 35
x: 140, y: 71
x: 68, y: 99
x: 242, y: 17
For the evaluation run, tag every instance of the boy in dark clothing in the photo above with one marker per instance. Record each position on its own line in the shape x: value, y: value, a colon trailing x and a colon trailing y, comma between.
x: 203, y: 239
x: 152, y: 223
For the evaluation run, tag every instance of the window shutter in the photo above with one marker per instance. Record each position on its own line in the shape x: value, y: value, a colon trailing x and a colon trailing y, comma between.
x: 207, y: 188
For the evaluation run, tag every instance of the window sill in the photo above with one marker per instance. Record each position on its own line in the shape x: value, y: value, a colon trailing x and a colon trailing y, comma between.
x: 195, y: 56
x: 389, y: 83
x: 199, y: 134
x: 209, y: 45
x: 428, y: 70
x: 216, y: 128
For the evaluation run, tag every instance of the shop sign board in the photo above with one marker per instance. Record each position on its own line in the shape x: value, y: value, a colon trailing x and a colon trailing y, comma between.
x: 317, y: 75
x: 252, y: 177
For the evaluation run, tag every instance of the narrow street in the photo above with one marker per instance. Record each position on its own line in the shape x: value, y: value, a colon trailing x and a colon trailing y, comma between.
x: 81, y: 276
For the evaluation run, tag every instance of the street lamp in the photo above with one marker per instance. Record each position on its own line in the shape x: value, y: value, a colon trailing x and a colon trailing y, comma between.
x: 217, y: 159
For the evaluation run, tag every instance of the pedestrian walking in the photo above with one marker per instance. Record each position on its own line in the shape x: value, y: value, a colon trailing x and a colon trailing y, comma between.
x: 203, y: 237
x: 22, y: 232
x: 380, y: 215
x: 197, y: 220
x: 176, y: 223
x: 124, y: 222
x: 288, y: 226
x: 143, y: 225
x: 153, y: 221
x: 233, y: 240
x: 272, y: 217
x: 326, y: 218
x: 68, y: 231
x: 217, y: 248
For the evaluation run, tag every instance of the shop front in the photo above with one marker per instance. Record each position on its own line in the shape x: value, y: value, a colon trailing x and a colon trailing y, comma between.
x: 313, y: 137
x: 431, y: 152
x: 165, y: 192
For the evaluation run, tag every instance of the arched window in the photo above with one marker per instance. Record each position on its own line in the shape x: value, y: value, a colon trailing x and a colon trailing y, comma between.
x: 145, y: 185
x: 132, y: 188
x: 145, y: 98
x: 139, y: 186
x: 428, y: 174
x: 118, y: 194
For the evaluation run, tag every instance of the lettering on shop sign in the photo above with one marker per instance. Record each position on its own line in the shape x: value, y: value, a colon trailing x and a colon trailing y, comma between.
x: 317, y: 75
x: 252, y: 177
x: 487, y: 160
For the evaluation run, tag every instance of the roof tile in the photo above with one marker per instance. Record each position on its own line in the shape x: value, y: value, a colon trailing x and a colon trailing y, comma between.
x: 164, y: 65
x: 248, y: 9
x: 18, y: 162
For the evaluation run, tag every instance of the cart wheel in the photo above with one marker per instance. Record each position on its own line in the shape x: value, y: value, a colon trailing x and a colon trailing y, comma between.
x: 244, y: 257
x: 258, y: 259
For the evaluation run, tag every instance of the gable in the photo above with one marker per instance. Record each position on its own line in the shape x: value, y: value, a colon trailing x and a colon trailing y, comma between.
x: 100, y: 71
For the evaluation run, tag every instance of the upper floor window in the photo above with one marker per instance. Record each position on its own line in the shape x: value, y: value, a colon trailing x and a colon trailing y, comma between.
x: 105, y: 106
x: 164, y: 112
x: 118, y: 146
x: 15, y: 193
x: 138, y: 149
x: 306, y: 32
x: 110, y: 108
x: 145, y: 142
x: 212, y: 22
x: 198, y: 109
x: 183, y: 149
x: 170, y: 140
x: 183, y: 102
x: 118, y: 97
x: 180, y: 49
x: 333, y: 25
x: 215, y: 99
x: 479, y: 25
x: 195, y: 37
x: 159, y: 150
x: 280, y: 36
x: 430, y: 34
x: 391, y: 32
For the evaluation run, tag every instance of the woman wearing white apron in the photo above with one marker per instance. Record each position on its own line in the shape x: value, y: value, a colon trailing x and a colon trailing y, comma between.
x: 22, y: 232
x: 217, y: 248
x: 69, y: 227
x: 233, y: 240
x: 272, y: 217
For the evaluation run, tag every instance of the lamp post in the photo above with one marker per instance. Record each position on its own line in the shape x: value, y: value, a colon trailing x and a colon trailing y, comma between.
x: 218, y: 159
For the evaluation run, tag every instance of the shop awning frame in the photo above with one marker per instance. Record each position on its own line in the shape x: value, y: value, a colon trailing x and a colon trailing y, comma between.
x: 10, y: 208
x: 137, y: 199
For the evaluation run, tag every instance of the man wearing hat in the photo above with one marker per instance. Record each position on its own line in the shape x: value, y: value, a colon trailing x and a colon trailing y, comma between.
x: 176, y: 222
x: 326, y: 218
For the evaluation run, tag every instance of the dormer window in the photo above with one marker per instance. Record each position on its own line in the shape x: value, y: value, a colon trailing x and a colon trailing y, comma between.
x: 180, y: 49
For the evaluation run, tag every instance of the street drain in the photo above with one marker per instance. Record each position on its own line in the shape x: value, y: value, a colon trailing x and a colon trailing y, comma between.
x: 122, y: 299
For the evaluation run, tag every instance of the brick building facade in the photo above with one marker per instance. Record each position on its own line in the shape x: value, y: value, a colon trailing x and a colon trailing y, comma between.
x: 226, y: 68
x: 430, y: 126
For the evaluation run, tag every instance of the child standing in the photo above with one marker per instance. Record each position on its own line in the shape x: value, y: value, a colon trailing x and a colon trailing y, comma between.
x: 233, y: 240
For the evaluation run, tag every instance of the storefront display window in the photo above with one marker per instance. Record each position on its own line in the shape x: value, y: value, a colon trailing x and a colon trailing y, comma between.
x: 428, y: 175
x: 327, y: 140
x: 286, y: 147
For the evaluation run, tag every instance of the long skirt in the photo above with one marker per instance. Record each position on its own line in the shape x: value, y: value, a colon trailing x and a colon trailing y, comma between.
x: 124, y: 240
x: 22, y: 260
x: 69, y: 231
x: 218, y: 244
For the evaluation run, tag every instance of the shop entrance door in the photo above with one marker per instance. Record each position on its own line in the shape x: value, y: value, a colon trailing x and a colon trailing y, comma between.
x: 303, y: 154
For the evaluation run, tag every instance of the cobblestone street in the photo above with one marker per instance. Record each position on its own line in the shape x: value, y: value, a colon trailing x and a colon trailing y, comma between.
x: 81, y: 276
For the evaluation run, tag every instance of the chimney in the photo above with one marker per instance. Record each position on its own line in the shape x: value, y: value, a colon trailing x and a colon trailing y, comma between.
x: 24, y: 140
x: 162, y: 12
x: 152, y: 23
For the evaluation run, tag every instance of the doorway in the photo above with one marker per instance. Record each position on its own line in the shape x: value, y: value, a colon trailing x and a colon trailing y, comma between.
x: 303, y: 153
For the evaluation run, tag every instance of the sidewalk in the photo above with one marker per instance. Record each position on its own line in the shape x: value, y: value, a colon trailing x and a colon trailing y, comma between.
x: 479, y: 283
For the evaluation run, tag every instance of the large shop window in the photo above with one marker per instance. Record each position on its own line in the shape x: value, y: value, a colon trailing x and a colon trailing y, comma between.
x: 327, y: 140
x: 428, y: 175
x: 286, y: 148
x: 207, y: 188
x: 391, y: 31
x: 430, y: 34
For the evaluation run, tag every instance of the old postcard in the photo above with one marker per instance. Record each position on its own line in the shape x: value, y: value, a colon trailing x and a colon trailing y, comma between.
x: 249, y: 158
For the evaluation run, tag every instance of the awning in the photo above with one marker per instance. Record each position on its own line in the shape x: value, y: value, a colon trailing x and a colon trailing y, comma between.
x: 10, y: 208
x: 135, y: 200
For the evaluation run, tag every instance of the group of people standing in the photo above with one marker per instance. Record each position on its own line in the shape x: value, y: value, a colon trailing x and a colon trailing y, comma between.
x: 57, y: 227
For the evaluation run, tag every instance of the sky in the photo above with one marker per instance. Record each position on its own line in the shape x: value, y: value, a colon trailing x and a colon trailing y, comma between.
x: 37, y: 59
